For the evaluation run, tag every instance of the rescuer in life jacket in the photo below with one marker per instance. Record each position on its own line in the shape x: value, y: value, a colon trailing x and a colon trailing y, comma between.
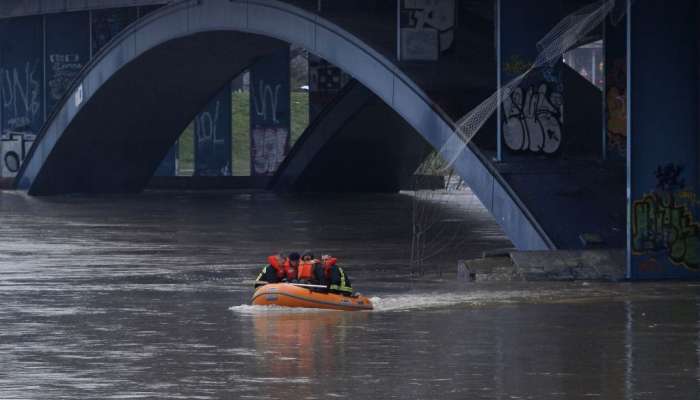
x: 272, y: 273
x: 291, y: 266
x: 329, y: 273
x: 306, y: 268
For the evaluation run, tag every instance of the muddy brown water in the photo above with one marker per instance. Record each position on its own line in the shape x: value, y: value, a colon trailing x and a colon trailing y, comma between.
x: 146, y: 296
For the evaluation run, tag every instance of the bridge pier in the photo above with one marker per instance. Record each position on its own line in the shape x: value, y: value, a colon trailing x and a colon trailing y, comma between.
x: 663, y: 233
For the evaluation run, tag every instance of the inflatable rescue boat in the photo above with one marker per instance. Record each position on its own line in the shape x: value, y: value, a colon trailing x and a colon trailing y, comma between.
x: 308, y: 296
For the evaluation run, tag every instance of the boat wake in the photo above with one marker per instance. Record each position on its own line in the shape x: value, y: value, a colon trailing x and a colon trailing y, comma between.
x: 410, y: 302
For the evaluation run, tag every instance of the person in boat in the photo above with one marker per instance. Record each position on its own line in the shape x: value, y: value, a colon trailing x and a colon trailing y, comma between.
x: 306, y: 268
x: 291, y: 267
x: 274, y: 272
x: 329, y: 273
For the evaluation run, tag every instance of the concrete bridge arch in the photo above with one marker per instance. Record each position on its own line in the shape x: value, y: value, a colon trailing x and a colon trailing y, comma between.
x: 126, y: 109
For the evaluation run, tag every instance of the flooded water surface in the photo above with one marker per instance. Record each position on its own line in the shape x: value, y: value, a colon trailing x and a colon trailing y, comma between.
x: 148, y: 297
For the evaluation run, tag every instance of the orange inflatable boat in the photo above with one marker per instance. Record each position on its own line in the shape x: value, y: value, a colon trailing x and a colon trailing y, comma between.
x: 308, y: 296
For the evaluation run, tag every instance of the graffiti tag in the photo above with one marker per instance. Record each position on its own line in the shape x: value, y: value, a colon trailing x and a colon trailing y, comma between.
x: 206, y: 126
x: 533, y: 120
x: 266, y: 101
x: 64, y: 69
x: 20, y: 91
x: 269, y: 148
x: 662, y: 221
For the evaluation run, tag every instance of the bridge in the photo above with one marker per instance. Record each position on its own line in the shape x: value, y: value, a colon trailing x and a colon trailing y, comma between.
x: 96, y: 93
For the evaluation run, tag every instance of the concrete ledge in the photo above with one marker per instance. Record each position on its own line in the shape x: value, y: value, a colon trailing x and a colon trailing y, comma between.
x: 488, y: 269
x: 604, y: 264
x: 558, y: 265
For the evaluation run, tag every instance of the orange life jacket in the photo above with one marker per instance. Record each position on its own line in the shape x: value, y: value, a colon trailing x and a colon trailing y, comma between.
x: 290, y: 271
x: 274, y: 262
x: 306, y: 271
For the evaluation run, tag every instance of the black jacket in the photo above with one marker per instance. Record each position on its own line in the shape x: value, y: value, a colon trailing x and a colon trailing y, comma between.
x: 334, y: 276
x: 269, y: 275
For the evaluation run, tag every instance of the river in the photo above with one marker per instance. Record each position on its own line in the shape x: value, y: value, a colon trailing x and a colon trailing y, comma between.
x: 146, y: 296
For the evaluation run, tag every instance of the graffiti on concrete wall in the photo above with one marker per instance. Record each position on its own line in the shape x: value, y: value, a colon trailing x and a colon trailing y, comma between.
x: 269, y: 147
x: 209, y: 139
x: 269, y: 139
x: 427, y: 28
x: 64, y: 68
x: 325, y: 82
x: 107, y: 23
x: 20, y: 92
x: 266, y: 101
x: 206, y: 125
x: 616, y: 107
x: 532, y: 119
x: 663, y: 221
x: 212, y: 136
x: 269, y: 113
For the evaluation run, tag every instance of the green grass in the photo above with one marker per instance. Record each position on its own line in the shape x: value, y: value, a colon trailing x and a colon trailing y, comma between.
x: 300, y: 114
x: 185, y: 148
x: 240, y: 145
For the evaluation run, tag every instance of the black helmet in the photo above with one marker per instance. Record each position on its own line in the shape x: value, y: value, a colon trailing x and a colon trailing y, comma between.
x: 294, y: 256
x: 307, y: 253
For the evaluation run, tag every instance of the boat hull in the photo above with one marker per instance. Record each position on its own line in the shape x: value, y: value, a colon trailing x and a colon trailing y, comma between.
x: 288, y: 295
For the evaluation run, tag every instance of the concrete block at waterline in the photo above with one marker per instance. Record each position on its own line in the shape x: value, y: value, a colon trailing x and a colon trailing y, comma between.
x: 565, y: 265
x: 486, y: 269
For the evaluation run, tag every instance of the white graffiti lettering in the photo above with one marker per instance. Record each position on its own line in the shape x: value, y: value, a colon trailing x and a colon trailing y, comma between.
x: 64, y: 69
x: 269, y: 146
x: 533, y: 119
x: 267, y: 94
x: 20, y: 93
x: 207, y: 126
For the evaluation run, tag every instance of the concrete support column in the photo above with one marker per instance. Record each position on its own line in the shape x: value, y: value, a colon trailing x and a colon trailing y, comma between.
x: 212, y: 137
x: 615, y: 98
x: 269, y: 113
x: 662, y: 87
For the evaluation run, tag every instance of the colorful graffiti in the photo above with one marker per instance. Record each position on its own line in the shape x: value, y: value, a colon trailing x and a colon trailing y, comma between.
x: 616, y: 107
x: 533, y: 119
x: 516, y: 65
x: 663, y: 222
